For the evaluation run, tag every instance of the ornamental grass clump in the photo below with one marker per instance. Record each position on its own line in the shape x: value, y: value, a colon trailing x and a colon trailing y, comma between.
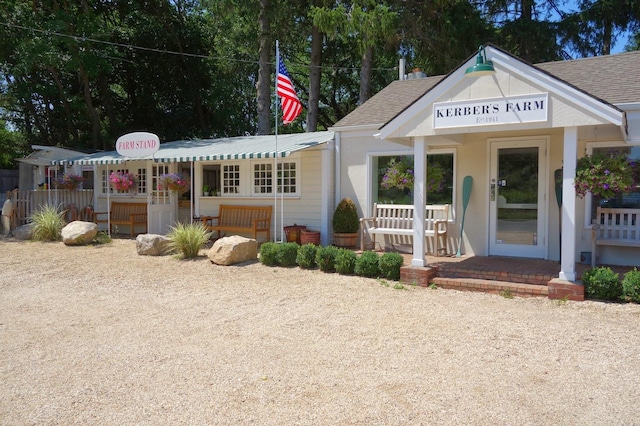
x: 605, y: 175
x: 306, y: 257
x: 631, y: 285
x: 326, y: 258
x: 602, y: 283
x: 367, y: 264
x: 48, y: 222
x: 345, y: 261
x: 187, y: 239
x: 390, y: 264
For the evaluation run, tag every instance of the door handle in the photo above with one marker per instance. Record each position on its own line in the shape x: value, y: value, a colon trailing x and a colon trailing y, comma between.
x: 493, y: 191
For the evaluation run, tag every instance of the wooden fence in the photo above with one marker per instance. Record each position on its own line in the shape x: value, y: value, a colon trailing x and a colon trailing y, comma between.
x: 26, y: 202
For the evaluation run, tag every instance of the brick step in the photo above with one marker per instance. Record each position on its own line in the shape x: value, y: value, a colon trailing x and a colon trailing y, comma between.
x: 492, y: 286
x: 506, y: 276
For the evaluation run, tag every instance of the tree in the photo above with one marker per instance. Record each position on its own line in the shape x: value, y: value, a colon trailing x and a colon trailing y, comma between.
x: 595, y: 27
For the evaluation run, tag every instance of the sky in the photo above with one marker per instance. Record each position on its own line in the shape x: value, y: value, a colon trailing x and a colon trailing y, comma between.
x: 618, y: 47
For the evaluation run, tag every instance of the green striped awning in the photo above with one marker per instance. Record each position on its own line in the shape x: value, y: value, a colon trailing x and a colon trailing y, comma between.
x: 236, y: 148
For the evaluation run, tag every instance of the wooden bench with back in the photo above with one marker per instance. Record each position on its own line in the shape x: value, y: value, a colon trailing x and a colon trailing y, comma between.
x: 240, y: 220
x: 122, y: 213
x: 397, y: 220
x: 615, y: 227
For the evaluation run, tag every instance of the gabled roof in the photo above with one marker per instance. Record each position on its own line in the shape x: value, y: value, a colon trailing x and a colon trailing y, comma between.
x: 613, y: 79
x: 236, y: 148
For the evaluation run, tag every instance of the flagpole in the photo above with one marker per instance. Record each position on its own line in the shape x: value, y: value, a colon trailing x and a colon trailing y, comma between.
x: 275, y: 158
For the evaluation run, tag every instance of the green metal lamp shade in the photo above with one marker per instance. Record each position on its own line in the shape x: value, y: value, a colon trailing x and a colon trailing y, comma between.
x: 482, y: 66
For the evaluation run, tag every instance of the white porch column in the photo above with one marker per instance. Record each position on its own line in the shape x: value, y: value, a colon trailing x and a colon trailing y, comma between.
x: 419, y: 200
x: 568, y: 254
x: 325, y: 189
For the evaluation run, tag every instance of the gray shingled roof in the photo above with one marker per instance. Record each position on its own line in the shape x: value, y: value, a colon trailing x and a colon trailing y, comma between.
x: 613, y: 79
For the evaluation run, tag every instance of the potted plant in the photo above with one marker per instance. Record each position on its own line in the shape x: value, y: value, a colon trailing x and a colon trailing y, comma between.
x: 345, y: 224
x: 124, y: 182
x: 69, y: 181
x: 174, y: 182
x: 206, y: 189
x: 605, y: 175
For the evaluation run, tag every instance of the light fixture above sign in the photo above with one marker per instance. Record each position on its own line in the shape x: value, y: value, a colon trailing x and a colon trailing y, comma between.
x: 482, y: 66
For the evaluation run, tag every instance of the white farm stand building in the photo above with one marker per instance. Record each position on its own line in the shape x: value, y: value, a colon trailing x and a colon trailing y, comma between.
x: 547, y: 115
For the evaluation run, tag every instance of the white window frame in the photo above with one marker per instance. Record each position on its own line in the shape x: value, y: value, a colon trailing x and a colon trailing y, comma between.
x: 281, y: 162
x: 371, y: 173
x: 238, y: 188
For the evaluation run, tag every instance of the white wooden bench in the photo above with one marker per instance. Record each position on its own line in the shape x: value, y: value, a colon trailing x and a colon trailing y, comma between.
x: 615, y: 227
x: 397, y: 220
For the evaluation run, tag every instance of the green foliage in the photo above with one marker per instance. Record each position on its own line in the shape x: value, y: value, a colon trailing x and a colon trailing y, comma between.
x: 506, y: 293
x: 346, y: 261
x: 269, y: 254
x: 287, y: 254
x: 326, y: 258
x: 604, y: 175
x: 12, y: 145
x: 47, y: 221
x: 602, y: 283
x: 345, y: 218
x: 306, y: 257
x: 390, y: 264
x: 631, y: 285
x: 188, y: 239
x: 367, y: 264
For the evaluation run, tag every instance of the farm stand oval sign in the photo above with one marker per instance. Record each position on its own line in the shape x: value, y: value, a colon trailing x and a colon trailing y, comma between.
x: 137, y: 144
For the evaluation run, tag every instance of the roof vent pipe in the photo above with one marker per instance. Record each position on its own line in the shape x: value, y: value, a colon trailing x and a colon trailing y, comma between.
x: 401, y: 67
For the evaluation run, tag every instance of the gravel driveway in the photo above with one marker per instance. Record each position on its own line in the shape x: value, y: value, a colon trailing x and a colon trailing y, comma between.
x: 99, y: 335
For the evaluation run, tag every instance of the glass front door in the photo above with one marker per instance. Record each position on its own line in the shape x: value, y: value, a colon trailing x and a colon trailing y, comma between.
x: 518, y: 199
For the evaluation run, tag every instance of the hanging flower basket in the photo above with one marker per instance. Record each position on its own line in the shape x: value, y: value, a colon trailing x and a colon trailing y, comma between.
x: 605, y: 175
x: 124, y: 182
x: 399, y: 175
x: 69, y: 181
x: 174, y: 182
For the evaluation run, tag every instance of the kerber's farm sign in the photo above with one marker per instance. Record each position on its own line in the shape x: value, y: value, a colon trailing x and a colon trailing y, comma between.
x: 507, y: 110
x: 137, y: 144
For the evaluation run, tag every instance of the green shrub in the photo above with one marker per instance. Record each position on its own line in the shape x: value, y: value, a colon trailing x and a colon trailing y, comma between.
x: 602, y: 283
x: 326, y: 258
x: 367, y: 264
x: 631, y: 285
x: 48, y: 222
x: 345, y: 261
x: 187, y: 239
x: 390, y: 264
x: 306, y: 257
x: 345, y: 217
x: 269, y: 254
x: 286, y: 254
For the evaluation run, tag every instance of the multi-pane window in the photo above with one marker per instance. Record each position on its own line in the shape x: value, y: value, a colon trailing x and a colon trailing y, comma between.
x: 106, y: 186
x: 230, y: 179
x: 286, y: 179
x: 263, y: 178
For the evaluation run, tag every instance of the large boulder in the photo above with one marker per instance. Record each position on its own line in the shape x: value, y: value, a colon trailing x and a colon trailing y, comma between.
x: 232, y: 250
x: 5, y: 219
x: 78, y: 233
x: 152, y: 244
x: 23, y: 232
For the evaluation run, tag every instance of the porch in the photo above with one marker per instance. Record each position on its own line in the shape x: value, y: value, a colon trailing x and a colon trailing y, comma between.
x: 523, y: 277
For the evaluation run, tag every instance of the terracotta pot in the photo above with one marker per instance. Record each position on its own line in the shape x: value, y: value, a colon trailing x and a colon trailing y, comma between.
x: 345, y: 239
x: 293, y: 233
x: 307, y: 236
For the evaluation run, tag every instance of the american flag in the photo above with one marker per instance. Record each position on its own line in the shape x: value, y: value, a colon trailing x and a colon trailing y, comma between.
x: 291, y: 106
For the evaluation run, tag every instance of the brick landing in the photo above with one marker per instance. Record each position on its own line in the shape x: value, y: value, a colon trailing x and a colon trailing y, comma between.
x: 496, y: 275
